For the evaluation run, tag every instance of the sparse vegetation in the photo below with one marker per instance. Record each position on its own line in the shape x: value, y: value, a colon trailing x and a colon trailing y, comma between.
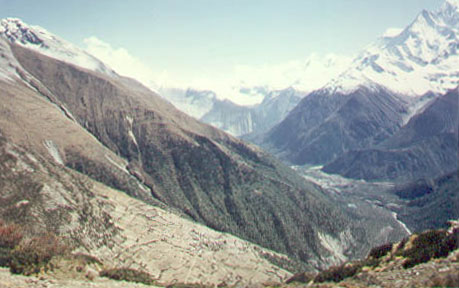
x: 444, y: 280
x: 196, y: 285
x: 380, y: 251
x: 86, y: 259
x: 128, y: 274
x: 28, y: 255
x: 416, y: 249
x: 338, y: 273
x: 10, y: 236
x: 304, y: 277
x: 429, y: 245
x: 34, y: 254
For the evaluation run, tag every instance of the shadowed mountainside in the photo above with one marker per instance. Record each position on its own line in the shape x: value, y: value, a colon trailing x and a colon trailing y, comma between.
x: 426, y: 147
x: 324, y: 125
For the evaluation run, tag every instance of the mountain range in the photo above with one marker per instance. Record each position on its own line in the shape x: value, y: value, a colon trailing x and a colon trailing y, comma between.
x: 61, y: 103
x: 127, y: 177
x: 235, y: 119
x: 378, y: 102
x: 224, y: 112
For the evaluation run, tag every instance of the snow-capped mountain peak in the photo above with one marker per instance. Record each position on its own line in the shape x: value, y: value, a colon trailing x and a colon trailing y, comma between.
x: 421, y: 58
x: 17, y: 31
x: 36, y: 38
x: 450, y: 11
x: 453, y: 4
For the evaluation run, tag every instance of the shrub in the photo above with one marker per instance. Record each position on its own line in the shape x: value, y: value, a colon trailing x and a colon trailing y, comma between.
x: 380, y: 251
x: 181, y: 285
x: 10, y: 235
x: 5, y: 257
x: 444, y: 280
x: 338, y: 273
x: 304, y: 277
x: 428, y: 245
x: 128, y: 274
x: 35, y: 253
x: 86, y: 259
x: 400, y: 246
x: 369, y: 262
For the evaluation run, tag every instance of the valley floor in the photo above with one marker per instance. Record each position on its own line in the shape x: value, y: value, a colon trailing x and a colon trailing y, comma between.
x: 371, y: 200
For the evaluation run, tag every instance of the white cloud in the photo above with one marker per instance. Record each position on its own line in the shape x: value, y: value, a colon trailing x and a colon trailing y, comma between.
x: 392, y: 32
x: 305, y: 74
x: 121, y: 61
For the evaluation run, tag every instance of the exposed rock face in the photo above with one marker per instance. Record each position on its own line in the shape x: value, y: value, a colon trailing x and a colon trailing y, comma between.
x: 426, y: 147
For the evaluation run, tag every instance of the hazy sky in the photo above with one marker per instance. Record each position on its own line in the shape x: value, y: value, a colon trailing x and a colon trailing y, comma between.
x: 186, y: 38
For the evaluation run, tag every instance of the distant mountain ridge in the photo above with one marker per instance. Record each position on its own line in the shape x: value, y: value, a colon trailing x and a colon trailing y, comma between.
x: 42, y: 41
x: 237, y: 120
x: 242, y: 120
x: 426, y: 147
x: 323, y: 126
x: 420, y: 59
x: 223, y: 109
x: 390, y: 82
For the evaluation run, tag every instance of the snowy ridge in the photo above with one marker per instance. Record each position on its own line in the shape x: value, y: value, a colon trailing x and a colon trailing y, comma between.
x: 38, y: 39
x: 8, y: 63
x: 422, y: 57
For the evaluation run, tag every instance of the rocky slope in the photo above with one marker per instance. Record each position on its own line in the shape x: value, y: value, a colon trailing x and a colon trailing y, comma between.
x: 125, y: 136
x: 427, y: 259
x: 120, y: 230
